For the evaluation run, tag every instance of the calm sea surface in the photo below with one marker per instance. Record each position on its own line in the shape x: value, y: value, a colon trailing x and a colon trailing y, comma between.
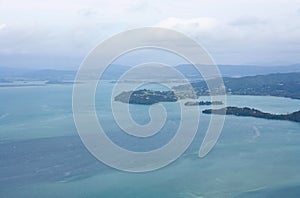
x: 41, y: 154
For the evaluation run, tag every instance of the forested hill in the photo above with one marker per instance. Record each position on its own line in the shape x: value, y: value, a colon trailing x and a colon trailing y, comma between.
x: 280, y: 84
x: 286, y: 85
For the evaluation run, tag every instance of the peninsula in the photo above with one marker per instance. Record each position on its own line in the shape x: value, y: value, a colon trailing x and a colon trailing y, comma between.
x: 250, y: 112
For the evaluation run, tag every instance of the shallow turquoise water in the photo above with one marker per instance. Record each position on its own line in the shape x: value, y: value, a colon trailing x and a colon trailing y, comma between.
x: 41, y: 154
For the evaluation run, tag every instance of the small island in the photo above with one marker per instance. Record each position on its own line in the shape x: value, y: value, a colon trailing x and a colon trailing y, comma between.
x: 203, y: 103
x: 146, y: 97
x: 250, y: 112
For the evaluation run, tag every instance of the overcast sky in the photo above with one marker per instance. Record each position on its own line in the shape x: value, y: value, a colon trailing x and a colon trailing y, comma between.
x: 59, y: 33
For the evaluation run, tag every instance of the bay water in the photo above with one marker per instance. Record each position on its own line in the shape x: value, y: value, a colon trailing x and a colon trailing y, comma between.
x: 41, y: 154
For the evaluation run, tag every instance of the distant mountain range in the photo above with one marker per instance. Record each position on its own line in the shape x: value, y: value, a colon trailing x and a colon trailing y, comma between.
x: 278, y: 83
x: 115, y: 71
x: 31, y: 74
x: 242, y: 70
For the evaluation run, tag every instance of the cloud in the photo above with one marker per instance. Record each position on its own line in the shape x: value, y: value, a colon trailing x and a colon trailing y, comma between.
x: 248, y: 21
x: 242, y: 30
x: 202, y: 24
x: 144, y: 7
x: 241, y: 38
x: 2, y: 26
x: 235, y: 32
x: 206, y: 30
x: 87, y: 12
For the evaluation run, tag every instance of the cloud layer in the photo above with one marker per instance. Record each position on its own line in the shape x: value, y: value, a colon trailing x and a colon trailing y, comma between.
x: 2, y: 26
x: 234, y: 31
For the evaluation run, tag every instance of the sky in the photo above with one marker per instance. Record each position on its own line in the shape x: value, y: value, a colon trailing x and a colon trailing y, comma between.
x: 60, y: 33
